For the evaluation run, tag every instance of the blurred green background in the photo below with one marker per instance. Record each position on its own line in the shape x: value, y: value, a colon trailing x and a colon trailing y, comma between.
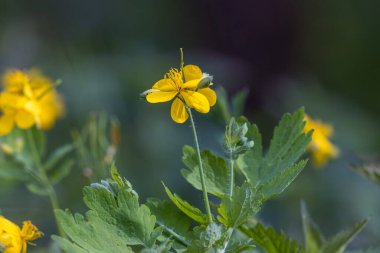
x: 323, y: 55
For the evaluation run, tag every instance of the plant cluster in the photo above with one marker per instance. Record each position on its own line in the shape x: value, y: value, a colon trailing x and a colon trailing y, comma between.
x: 234, y: 185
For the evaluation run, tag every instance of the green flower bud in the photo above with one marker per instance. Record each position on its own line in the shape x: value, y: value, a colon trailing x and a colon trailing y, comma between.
x: 235, y: 141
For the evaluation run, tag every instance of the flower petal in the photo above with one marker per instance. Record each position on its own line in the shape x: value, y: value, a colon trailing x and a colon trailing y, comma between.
x: 193, y: 84
x: 24, y: 119
x: 165, y: 85
x: 6, y: 126
x: 9, y: 227
x: 209, y: 94
x: 178, y: 111
x: 160, y: 96
x: 192, y: 72
x: 196, y: 100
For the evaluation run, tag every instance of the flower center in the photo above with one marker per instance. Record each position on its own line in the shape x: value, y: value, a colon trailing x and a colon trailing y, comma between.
x: 176, y: 76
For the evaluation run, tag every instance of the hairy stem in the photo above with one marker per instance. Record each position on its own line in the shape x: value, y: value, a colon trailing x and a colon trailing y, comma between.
x: 231, y: 164
x: 43, y: 177
x: 201, y: 173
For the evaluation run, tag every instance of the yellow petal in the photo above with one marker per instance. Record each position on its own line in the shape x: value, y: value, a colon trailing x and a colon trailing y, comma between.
x: 14, y: 80
x: 165, y: 85
x: 24, y: 119
x: 192, y: 72
x: 178, y: 111
x: 209, y: 94
x: 11, y: 100
x: 196, y: 100
x: 193, y: 84
x: 6, y: 126
x: 9, y: 227
x: 160, y: 96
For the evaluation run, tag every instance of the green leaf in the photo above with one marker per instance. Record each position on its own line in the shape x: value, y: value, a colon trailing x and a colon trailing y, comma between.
x: 244, y: 203
x: 123, y: 213
x: 316, y: 243
x: 62, y: 171
x: 370, y: 170
x: 277, y: 169
x: 272, y: 241
x: 280, y: 181
x: 175, y: 222
x: 314, y: 239
x: 222, y: 105
x: 111, y: 225
x: 214, y: 167
x: 288, y: 144
x: 116, y: 175
x: 87, y: 236
x: 162, y: 248
x: 192, y: 212
x: 57, y: 156
x: 12, y: 170
x: 239, y: 246
x: 68, y: 246
x: 238, y: 102
x: 339, y: 242
x: 209, y: 239
x: 37, y: 189
x: 250, y: 162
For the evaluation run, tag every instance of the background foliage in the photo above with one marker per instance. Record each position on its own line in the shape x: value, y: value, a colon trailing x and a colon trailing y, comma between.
x: 322, y: 55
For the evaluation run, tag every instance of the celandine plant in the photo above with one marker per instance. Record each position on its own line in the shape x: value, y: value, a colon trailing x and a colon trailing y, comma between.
x: 118, y: 222
x: 240, y: 181
x: 29, y: 104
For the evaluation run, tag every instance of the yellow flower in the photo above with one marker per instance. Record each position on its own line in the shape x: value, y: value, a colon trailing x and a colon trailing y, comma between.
x: 321, y: 148
x: 15, y: 239
x: 28, y: 99
x: 188, y: 87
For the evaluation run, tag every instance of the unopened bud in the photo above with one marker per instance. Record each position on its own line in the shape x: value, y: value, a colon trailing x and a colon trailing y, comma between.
x: 145, y: 93
x: 206, y: 81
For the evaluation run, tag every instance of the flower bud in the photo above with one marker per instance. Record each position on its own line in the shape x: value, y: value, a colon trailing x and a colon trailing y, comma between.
x: 205, y: 82
x: 235, y: 140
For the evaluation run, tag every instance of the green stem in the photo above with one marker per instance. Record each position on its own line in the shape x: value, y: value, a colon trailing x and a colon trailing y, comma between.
x: 182, y: 63
x: 44, y: 178
x: 231, y: 163
x: 201, y: 173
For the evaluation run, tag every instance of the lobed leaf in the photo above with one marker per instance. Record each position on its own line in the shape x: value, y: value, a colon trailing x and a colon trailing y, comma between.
x: 272, y: 241
x: 245, y: 202
x: 113, y: 223
x: 123, y: 213
x: 192, y: 212
x: 314, y: 239
x: 214, y: 167
x: 339, y: 242
x: 280, y: 181
x: 86, y: 236
x: 57, y: 156
x: 274, y: 172
x: 175, y: 222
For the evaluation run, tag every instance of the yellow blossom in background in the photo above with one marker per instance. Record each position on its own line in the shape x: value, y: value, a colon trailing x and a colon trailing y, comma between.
x: 320, y: 147
x: 28, y: 98
x: 14, y: 239
x: 188, y: 87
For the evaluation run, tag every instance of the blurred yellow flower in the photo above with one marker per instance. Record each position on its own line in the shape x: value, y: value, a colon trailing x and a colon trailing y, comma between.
x: 188, y: 87
x: 29, y: 98
x: 15, y: 239
x: 321, y: 148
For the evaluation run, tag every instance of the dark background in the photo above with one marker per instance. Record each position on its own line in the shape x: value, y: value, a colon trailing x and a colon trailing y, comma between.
x: 323, y: 55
